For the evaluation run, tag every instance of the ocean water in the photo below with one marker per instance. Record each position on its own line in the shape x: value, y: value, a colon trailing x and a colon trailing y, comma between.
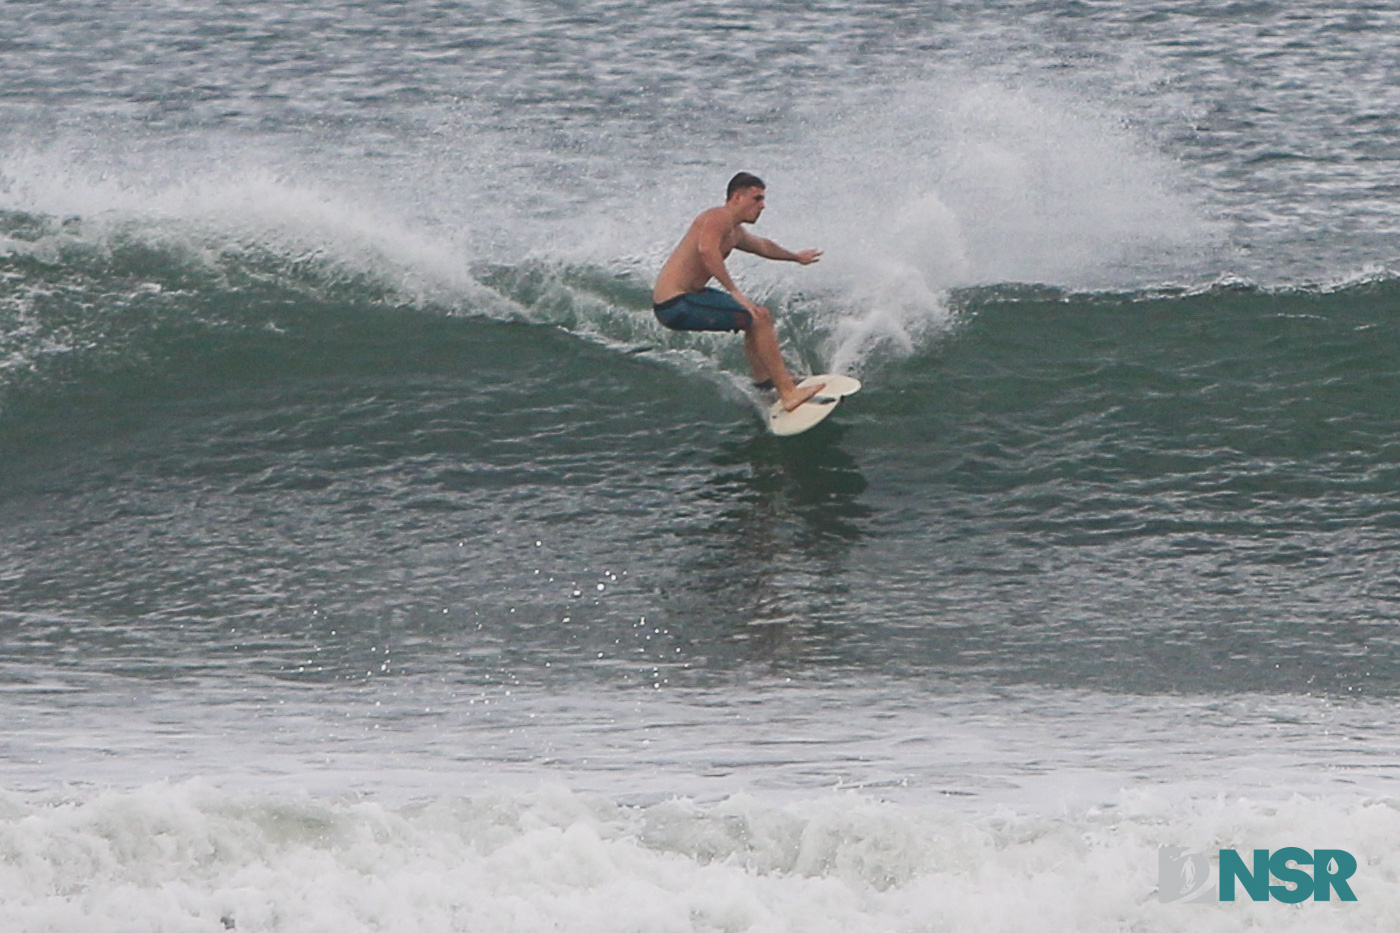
x: 370, y: 559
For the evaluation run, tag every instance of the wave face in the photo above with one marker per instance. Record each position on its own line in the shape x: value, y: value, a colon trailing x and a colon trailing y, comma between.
x: 1038, y: 455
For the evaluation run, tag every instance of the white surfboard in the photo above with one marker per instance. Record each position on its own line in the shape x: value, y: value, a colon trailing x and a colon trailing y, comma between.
x: 813, y: 411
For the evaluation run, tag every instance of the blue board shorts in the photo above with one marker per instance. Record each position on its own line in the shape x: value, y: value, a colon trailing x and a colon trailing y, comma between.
x: 707, y: 309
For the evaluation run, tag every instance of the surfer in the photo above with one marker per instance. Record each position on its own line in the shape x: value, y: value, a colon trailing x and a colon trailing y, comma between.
x: 683, y: 301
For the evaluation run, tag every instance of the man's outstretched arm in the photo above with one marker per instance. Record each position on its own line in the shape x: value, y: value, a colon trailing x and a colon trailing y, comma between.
x: 770, y: 250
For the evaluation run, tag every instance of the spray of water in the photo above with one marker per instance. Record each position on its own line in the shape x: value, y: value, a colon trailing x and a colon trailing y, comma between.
x: 912, y: 190
x: 953, y: 183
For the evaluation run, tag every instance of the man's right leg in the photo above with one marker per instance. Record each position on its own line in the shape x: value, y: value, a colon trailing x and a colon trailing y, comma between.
x: 766, y: 361
x: 711, y: 309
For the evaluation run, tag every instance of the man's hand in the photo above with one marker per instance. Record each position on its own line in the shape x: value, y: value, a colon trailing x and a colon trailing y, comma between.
x: 808, y: 256
x: 761, y: 315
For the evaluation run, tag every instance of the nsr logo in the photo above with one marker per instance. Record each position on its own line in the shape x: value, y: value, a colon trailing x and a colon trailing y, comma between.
x: 1186, y: 878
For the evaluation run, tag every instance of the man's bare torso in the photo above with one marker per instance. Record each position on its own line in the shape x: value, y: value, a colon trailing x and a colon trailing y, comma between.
x: 685, y: 271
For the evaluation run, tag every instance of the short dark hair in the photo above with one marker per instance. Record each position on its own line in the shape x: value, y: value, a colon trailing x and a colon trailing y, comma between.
x: 741, y: 181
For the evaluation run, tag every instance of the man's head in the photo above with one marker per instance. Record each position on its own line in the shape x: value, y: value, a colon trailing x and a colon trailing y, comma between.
x: 741, y: 181
x: 746, y: 195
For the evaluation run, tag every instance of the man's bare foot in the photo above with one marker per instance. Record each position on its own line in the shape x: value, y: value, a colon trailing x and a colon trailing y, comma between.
x: 800, y: 394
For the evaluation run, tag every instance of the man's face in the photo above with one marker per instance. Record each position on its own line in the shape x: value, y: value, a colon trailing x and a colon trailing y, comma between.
x: 751, y: 203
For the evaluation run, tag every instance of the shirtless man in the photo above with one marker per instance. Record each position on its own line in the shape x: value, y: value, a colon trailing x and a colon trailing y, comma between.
x: 683, y: 302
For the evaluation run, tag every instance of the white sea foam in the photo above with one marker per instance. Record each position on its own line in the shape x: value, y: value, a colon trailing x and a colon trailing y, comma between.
x: 193, y: 857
